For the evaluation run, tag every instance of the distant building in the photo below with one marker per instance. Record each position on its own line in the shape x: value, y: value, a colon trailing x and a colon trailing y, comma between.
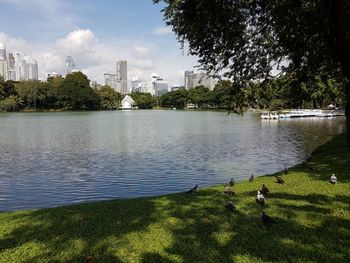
x: 29, y: 68
x: 193, y: 80
x: 137, y: 85
x: 159, y: 86
x: 127, y: 103
x: 3, y: 62
x: 112, y: 81
x: 70, y: 65
x: 122, y: 76
x: 53, y: 75
x: 175, y: 88
x: 11, y: 67
x: 188, y: 79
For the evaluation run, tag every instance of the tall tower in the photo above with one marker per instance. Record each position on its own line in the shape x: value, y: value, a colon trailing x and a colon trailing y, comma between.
x: 70, y: 65
x: 188, y: 79
x: 31, y: 68
x: 11, y: 67
x: 122, y: 76
x: 3, y: 62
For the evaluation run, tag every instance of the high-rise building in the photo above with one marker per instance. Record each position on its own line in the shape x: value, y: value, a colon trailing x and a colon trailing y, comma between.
x: 30, y: 68
x: 2, y: 51
x: 193, y: 80
x: 136, y: 85
x: 11, y: 67
x: 70, y: 65
x: 188, y: 83
x: 122, y: 76
x: 18, y: 67
x: 112, y: 81
x: 159, y: 86
x: 3, y: 62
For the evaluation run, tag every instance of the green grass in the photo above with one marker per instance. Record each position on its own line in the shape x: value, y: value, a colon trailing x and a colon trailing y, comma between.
x: 313, y: 223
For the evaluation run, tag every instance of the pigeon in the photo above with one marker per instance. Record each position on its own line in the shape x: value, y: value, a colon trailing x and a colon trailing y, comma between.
x: 260, y: 198
x: 228, y: 190
x: 194, y: 189
x: 264, y: 190
x: 251, y: 178
x: 230, y: 206
x: 232, y: 182
x: 267, y: 220
x: 333, y: 179
x: 279, y: 180
x: 285, y: 170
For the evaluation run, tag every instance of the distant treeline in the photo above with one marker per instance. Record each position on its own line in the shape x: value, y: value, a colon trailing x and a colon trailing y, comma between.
x: 274, y: 94
x: 74, y: 93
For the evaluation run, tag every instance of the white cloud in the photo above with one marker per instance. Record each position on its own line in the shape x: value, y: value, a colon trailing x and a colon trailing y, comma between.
x: 141, y: 51
x: 159, y: 31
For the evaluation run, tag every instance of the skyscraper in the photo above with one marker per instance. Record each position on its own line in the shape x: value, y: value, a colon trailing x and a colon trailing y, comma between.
x: 112, y: 81
x: 3, y: 62
x: 30, y: 68
x: 11, y: 67
x: 188, y: 83
x: 122, y: 76
x: 70, y: 65
x: 193, y: 80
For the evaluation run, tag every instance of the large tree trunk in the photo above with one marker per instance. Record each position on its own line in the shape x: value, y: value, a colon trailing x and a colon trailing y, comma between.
x: 347, y: 113
x: 342, y: 45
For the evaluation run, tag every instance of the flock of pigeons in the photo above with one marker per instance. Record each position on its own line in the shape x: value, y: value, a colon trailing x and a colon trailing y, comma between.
x: 260, y: 197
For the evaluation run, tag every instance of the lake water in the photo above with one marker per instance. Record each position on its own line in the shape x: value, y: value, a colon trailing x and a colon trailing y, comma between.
x: 52, y: 159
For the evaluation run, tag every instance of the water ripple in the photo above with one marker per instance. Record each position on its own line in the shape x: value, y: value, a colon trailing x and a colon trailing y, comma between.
x: 56, y: 159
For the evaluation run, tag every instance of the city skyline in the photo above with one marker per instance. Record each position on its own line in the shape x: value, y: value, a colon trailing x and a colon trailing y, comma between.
x: 95, y: 36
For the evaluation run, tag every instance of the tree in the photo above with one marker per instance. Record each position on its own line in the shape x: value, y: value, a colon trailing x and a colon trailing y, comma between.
x: 144, y: 100
x: 177, y: 99
x: 28, y: 91
x: 200, y: 95
x: 11, y: 103
x: 109, y: 98
x: 75, y: 92
x: 245, y: 39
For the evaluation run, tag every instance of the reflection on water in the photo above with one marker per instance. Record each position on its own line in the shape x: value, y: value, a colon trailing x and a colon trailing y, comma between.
x: 51, y: 159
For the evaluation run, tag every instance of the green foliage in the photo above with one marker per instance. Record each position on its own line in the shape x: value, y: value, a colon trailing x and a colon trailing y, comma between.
x: 11, y: 103
x: 76, y: 93
x: 177, y: 99
x: 144, y: 100
x: 312, y: 218
x: 244, y: 40
x: 200, y: 96
x: 109, y: 98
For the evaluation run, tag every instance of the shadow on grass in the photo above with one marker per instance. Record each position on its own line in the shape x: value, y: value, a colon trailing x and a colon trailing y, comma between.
x: 189, y: 228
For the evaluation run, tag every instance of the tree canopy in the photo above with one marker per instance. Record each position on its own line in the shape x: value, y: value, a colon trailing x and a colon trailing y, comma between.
x: 246, y: 39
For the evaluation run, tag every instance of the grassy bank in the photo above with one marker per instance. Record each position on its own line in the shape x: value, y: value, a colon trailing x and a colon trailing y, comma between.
x: 313, y: 223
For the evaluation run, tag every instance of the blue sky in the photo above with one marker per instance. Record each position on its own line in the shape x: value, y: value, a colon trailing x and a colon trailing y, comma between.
x: 96, y: 34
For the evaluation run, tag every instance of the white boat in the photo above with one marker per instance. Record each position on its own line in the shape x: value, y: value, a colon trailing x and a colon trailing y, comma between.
x: 266, y: 115
x: 307, y: 113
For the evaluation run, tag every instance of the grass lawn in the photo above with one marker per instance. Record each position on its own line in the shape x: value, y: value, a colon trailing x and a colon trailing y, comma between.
x: 313, y: 223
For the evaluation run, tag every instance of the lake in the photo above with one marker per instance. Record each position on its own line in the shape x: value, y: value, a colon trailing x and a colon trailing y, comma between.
x: 53, y: 159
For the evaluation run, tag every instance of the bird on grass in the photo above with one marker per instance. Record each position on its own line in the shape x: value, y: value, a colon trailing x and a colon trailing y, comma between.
x: 230, y: 206
x: 260, y: 198
x: 285, y: 170
x: 232, y: 182
x: 267, y: 220
x: 333, y: 179
x: 228, y: 190
x: 264, y: 190
x: 279, y: 180
x: 194, y: 189
x: 251, y: 178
